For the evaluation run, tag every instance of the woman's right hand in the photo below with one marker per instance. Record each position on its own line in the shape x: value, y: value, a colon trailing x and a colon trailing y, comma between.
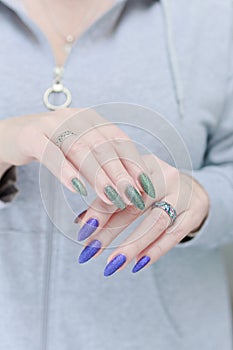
x: 100, y: 151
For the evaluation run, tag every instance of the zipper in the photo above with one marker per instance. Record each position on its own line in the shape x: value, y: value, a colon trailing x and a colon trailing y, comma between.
x: 57, y: 87
x: 59, y: 70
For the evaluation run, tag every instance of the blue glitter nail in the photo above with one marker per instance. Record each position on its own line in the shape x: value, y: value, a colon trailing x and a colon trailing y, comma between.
x: 114, y: 264
x: 89, y: 251
x: 87, y: 229
x: 141, y: 263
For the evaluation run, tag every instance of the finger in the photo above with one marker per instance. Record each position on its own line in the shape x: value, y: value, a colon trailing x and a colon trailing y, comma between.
x: 80, y: 155
x: 150, y: 228
x: 53, y: 158
x: 168, y: 240
x: 130, y: 157
x: 111, y: 225
x: 94, y: 218
x: 90, y: 136
x: 112, y: 165
x: 104, y: 235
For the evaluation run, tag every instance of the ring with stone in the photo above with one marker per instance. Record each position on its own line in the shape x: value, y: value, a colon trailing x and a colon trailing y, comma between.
x: 61, y: 137
x: 168, y: 208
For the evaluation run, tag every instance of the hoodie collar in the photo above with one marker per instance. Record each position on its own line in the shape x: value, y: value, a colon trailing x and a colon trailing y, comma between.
x: 17, y: 7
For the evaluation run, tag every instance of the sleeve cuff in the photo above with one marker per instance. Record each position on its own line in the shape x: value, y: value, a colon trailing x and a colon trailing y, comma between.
x: 8, y: 189
x: 217, y: 228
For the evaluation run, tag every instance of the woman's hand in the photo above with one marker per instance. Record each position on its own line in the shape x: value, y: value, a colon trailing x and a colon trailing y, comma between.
x: 154, y: 236
x: 99, y: 151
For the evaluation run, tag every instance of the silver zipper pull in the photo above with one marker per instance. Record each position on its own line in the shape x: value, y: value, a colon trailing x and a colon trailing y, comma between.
x: 57, y: 87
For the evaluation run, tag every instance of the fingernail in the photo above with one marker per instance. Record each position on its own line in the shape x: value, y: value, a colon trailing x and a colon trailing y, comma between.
x: 147, y: 185
x: 114, y: 197
x: 89, y: 251
x: 87, y: 229
x: 79, y: 187
x: 114, y: 264
x: 77, y: 219
x: 135, y: 197
x: 141, y: 263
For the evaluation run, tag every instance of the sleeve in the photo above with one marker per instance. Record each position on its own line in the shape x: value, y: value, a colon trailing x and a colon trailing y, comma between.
x: 216, y: 176
x: 8, y: 189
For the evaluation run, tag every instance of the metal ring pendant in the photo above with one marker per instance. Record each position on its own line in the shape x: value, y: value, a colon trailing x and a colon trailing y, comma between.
x: 57, y: 88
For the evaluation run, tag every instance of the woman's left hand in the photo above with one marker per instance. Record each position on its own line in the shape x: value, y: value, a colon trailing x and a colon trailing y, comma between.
x: 154, y: 236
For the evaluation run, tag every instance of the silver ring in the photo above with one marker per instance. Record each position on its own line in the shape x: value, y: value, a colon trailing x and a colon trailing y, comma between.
x: 168, y: 208
x: 61, y: 137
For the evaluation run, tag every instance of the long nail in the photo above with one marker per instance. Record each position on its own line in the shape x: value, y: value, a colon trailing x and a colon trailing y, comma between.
x: 135, y: 197
x: 114, y: 264
x: 141, y: 263
x: 78, y: 218
x: 114, y: 197
x: 79, y: 187
x: 147, y: 185
x: 89, y: 251
x: 87, y: 229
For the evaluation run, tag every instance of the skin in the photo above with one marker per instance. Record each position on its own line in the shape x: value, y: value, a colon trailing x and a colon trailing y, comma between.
x: 57, y: 18
x: 33, y: 137
x: 153, y: 237
x: 97, y: 152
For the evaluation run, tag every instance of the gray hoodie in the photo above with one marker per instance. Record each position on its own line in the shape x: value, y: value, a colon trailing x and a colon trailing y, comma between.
x: 173, y: 57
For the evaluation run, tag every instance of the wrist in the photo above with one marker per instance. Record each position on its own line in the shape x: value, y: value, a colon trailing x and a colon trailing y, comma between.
x: 204, y: 202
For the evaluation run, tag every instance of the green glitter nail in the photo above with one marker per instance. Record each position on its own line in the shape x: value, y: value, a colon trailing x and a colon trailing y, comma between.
x: 135, y: 197
x: 114, y: 197
x: 79, y: 187
x: 147, y: 185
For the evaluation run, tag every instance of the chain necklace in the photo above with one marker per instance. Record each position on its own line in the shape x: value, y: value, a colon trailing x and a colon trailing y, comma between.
x: 57, y: 86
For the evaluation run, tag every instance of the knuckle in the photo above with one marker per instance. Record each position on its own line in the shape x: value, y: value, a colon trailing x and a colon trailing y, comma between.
x: 137, y: 247
x: 65, y: 171
x: 121, y: 141
x: 160, y: 250
x: 99, y: 142
x: 65, y: 114
x: 120, y: 176
x: 172, y: 179
x: 173, y: 175
x: 99, y: 147
x: 110, y: 232
x: 103, y: 208
x: 47, y: 125
x: 66, y: 111
x: 180, y: 234
x: 132, y: 211
x: 77, y: 147
x: 45, y: 119
x: 161, y: 220
x: 177, y: 236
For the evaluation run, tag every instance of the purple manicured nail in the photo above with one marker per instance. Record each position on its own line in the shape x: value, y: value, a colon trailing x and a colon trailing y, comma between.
x: 87, y: 229
x: 114, y: 264
x: 89, y: 251
x: 141, y: 263
x: 77, y: 219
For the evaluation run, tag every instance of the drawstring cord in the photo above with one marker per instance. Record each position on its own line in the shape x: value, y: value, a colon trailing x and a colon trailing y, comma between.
x: 179, y: 93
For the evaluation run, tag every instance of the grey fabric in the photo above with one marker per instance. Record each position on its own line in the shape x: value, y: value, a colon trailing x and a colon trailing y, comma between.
x: 47, y: 300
